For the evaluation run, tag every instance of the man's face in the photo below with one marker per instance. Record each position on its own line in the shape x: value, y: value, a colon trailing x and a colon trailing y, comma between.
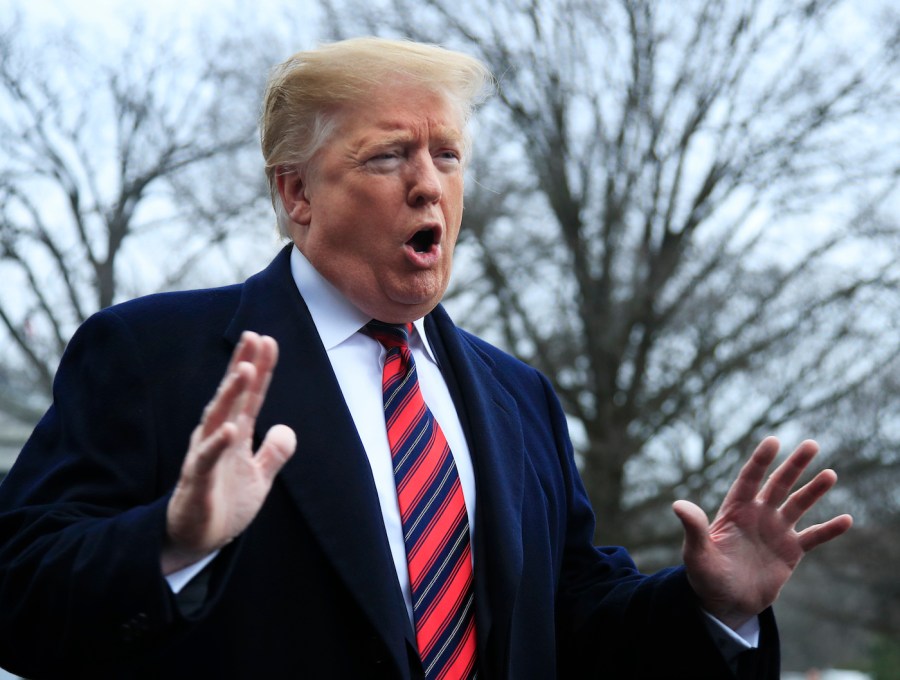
x: 379, y: 208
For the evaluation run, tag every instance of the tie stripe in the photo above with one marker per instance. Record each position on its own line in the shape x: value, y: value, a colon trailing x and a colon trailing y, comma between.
x: 433, y: 514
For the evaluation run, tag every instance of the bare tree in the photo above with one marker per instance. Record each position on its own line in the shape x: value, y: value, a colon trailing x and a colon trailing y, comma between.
x: 677, y: 218
x: 679, y: 213
x: 849, y: 595
x: 124, y: 169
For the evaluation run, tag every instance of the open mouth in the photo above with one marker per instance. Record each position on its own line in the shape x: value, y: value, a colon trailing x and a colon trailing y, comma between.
x: 422, y: 241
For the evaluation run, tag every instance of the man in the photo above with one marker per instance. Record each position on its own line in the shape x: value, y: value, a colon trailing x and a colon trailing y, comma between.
x: 120, y: 556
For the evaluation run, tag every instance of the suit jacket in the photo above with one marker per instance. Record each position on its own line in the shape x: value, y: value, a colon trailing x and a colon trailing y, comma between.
x: 309, y: 590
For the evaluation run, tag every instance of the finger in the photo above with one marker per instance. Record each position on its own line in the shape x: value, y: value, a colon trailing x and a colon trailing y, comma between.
x: 245, y: 350
x: 799, y: 502
x: 265, y: 360
x: 226, y: 401
x: 695, y: 524
x: 205, y: 453
x: 276, y: 450
x: 816, y: 535
x: 746, y: 486
x: 782, y: 480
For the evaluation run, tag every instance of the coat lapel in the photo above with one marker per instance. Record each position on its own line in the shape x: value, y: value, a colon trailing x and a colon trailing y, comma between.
x: 494, y: 431
x: 329, y: 477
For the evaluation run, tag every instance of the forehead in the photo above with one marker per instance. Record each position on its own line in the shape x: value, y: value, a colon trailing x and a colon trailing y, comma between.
x: 401, y: 113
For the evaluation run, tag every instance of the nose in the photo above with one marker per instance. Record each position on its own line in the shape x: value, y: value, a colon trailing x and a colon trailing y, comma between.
x: 425, y: 181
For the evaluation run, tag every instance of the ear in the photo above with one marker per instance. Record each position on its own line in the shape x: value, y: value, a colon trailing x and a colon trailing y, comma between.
x: 294, y: 193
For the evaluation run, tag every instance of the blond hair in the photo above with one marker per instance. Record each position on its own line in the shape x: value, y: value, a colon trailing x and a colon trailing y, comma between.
x: 305, y: 92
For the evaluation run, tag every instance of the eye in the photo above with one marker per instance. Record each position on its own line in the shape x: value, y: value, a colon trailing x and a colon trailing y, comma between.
x: 448, y: 156
x: 384, y: 160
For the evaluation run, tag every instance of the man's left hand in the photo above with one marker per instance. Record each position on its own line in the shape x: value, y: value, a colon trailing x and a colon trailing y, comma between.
x: 738, y: 564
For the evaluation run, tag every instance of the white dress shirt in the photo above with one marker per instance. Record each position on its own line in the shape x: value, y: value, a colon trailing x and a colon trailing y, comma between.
x: 357, y: 361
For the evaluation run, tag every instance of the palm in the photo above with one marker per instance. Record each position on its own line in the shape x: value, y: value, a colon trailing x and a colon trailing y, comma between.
x: 237, y: 488
x: 739, y: 563
x: 223, y: 484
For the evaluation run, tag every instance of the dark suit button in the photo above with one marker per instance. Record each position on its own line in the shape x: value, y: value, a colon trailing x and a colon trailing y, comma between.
x: 135, y: 628
x: 126, y: 632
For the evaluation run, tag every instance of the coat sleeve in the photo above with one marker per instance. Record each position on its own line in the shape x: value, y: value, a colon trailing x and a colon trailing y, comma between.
x: 614, y: 621
x: 82, y: 515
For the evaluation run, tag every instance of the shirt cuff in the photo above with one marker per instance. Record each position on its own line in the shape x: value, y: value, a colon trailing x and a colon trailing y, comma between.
x: 732, y: 642
x: 179, y: 579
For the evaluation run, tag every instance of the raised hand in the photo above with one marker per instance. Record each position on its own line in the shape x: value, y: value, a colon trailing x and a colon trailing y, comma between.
x: 738, y: 564
x: 223, y: 484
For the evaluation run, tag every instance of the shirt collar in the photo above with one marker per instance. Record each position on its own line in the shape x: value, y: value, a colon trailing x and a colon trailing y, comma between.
x: 335, y: 317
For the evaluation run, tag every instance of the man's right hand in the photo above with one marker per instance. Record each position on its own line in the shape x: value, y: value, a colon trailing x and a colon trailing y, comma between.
x: 223, y: 484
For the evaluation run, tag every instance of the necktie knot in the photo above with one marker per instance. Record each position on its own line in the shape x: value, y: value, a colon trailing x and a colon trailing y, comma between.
x: 388, y: 334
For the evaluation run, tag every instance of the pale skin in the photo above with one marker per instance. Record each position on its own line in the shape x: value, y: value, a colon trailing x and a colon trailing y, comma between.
x: 392, y: 170
x: 738, y: 564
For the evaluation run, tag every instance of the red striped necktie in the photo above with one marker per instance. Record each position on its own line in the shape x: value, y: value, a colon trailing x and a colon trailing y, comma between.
x: 433, y: 514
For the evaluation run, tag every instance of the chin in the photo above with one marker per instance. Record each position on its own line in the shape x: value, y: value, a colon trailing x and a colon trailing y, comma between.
x: 403, y: 303
x: 405, y: 311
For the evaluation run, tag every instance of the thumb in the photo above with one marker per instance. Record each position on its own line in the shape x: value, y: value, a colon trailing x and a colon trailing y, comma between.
x: 276, y: 449
x: 695, y: 524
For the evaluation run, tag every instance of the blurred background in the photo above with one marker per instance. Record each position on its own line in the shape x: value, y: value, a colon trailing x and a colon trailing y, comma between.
x: 684, y: 213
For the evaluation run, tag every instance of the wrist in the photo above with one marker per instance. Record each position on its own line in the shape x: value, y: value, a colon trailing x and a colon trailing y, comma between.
x: 173, y: 559
x: 736, y: 621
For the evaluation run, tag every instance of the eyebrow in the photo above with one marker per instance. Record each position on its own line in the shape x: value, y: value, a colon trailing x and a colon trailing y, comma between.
x: 442, y: 135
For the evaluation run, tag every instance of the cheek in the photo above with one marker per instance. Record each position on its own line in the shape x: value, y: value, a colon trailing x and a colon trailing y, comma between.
x: 453, y: 200
x: 453, y: 222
